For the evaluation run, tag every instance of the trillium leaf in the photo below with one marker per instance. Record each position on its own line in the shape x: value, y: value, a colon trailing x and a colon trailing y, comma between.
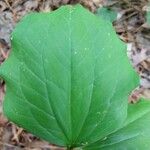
x: 68, y: 77
x: 134, y: 134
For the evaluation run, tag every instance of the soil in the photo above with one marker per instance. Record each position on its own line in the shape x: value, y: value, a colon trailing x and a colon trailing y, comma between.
x: 131, y: 26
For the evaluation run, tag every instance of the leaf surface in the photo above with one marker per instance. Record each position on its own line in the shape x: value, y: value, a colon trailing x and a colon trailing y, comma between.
x: 134, y: 134
x: 68, y: 77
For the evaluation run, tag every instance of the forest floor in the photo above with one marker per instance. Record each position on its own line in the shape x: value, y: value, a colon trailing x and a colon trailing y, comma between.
x: 130, y: 25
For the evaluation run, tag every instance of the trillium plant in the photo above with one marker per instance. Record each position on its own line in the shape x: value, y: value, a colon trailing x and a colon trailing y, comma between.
x: 68, y: 79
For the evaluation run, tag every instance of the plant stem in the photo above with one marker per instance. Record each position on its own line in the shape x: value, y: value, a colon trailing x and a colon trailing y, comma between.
x: 69, y: 148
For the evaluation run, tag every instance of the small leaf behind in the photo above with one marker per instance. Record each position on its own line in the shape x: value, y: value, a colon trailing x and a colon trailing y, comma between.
x: 107, y: 14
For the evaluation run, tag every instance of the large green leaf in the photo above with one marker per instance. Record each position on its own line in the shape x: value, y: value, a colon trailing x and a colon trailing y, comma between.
x: 135, y: 133
x: 68, y: 77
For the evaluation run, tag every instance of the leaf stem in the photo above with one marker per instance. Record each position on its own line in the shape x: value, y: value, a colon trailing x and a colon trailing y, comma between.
x: 72, y: 148
x: 69, y: 148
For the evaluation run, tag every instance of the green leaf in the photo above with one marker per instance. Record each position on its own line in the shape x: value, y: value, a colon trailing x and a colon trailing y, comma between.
x: 68, y: 77
x: 107, y: 14
x: 147, y: 9
x: 133, y: 135
x: 148, y: 17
